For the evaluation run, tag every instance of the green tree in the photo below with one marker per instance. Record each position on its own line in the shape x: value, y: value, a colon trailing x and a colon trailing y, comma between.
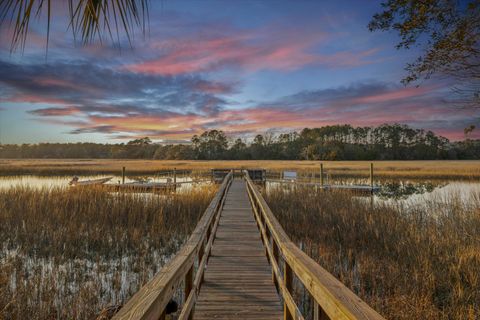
x: 238, y: 150
x: 468, y: 130
x: 174, y: 152
x: 140, y: 142
x: 258, y: 147
x: 210, y: 145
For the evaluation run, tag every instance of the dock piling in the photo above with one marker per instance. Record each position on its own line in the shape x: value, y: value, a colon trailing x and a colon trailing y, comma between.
x: 371, y: 174
x: 321, y: 174
x: 123, y: 175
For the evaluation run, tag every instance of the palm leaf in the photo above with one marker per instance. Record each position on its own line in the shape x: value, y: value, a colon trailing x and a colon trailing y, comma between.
x: 89, y: 19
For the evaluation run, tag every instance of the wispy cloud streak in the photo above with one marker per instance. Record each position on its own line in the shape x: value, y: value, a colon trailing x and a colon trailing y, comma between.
x: 247, y: 50
x: 173, y: 85
x: 94, y: 99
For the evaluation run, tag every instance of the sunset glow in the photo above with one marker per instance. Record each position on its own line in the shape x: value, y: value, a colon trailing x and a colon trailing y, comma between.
x: 261, y: 67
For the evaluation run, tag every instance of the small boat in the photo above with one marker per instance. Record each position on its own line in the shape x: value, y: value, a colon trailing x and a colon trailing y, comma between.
x: 76, y: 182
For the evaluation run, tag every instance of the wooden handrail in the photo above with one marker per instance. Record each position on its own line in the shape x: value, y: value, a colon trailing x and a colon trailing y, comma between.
x: 150, y: 301
x: 332, y: 298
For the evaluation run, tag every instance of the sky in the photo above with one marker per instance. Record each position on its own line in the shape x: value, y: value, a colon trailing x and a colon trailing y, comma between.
x: 244, y: 67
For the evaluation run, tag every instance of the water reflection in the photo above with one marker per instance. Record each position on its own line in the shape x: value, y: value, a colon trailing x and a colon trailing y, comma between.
x: 465, y: 192
x: 40, y: 182
x: 390, y: 189
x: 404, y: 189
x: 387, y: 189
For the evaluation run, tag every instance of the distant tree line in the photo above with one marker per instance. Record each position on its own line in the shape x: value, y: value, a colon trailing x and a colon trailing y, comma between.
x: 338, y: 142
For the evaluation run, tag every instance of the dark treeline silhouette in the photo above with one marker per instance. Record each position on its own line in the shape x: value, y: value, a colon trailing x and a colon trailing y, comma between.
x: 338, y: 142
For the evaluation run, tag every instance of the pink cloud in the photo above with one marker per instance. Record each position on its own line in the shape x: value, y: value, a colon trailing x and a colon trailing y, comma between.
x: 54, y: 82
x: 393, y: 105
x: 257, y: 120
x: 251, y: 51
x: 30, y: 98
x: 213, y: 87
x: 456, y: 134
x: 402, y: 93
x: 56, y: 112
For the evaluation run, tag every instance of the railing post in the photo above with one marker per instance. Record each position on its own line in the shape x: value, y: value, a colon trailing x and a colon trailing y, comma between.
x: 275, y: 256
x: 267, y: 243
x: 201, y: 251
x: 209, y: 230
x: 189, y: 286
x: 318, y: 313
x: 287, y: 278
x: 162, y: 316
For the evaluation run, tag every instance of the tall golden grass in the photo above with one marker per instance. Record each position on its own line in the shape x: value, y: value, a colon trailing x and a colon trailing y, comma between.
x: 67, y: 254
x: 392, y: 169
x: 407, y: 262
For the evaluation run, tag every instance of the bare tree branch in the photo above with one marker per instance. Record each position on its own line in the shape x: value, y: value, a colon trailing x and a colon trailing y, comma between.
x: 449, y: 31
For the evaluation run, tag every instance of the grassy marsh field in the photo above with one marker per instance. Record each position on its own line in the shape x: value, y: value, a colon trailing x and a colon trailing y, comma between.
x: 389, y: 169
x: 407, y: 262
x: 67, y: 254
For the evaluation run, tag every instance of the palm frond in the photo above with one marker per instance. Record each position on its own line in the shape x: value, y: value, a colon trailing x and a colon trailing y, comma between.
x: 89, y: 19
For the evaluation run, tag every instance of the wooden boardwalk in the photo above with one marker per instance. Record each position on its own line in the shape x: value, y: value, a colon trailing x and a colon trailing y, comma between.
x: 238, y: 279
x: 225, y: 274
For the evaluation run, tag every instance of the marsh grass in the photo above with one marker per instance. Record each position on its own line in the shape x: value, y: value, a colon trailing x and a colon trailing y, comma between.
x: 68, y: 253
x: 440, y: 169
x: 416, y: 262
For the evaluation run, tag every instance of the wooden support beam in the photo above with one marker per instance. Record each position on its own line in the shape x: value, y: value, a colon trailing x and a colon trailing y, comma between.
x: 275, y: 257
x: 189, y: 286
x: 162, y: 316
x: 288, y: 279
x: 318, y: 313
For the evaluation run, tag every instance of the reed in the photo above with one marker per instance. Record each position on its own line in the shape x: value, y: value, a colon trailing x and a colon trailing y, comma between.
x: 440, y: 169
x: 407, y: 262
x: 67, y: 254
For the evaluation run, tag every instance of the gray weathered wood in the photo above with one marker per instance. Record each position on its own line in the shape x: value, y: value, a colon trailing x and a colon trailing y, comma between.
x: 333, y: 297
x: 150, y: 301
x: 233, y: 278
x: 238, y: 282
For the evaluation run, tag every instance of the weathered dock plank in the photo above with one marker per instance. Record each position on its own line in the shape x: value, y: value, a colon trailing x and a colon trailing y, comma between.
x: 235, y: 235
x: 238, y: 279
